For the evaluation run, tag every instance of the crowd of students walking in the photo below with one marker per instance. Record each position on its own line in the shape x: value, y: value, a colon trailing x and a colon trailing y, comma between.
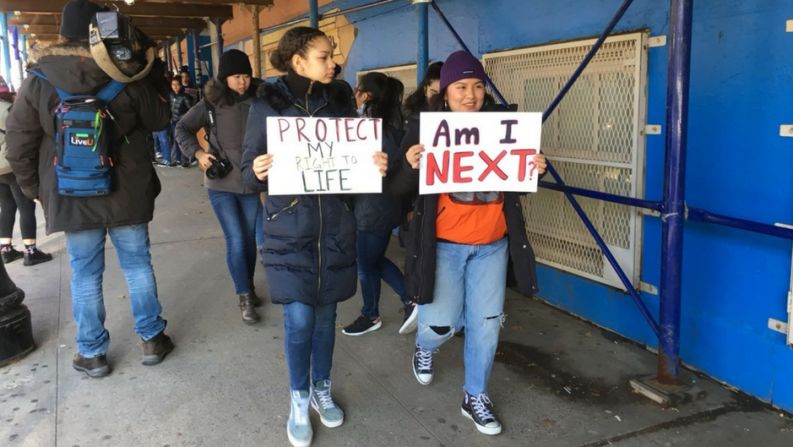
x: 314, y: 249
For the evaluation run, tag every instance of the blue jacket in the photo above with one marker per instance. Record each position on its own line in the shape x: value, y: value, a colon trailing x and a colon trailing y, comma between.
x: 309, y: 240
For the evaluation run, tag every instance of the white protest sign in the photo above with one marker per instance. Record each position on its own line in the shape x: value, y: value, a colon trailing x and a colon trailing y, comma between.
x: 479, y: 151
x: 323, y: 155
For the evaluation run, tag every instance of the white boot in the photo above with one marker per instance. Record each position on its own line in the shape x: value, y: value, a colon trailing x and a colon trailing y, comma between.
x: 298, y: 427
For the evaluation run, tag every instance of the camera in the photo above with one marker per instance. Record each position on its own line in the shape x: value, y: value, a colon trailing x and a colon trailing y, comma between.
x: 118, y: 34
x: 120, y: 49
x: 220, y: 168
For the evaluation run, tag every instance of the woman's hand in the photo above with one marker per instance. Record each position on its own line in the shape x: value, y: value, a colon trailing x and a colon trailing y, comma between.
x: 204, y: 159
x: 413, y: 155
x: 381, y: 161
x: 540, y: 163
x: 262, y: 165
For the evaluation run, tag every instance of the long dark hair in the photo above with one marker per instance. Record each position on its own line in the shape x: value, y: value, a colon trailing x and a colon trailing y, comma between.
x: 385, y: 96
x: 417, y: 101
x: 296, y: 41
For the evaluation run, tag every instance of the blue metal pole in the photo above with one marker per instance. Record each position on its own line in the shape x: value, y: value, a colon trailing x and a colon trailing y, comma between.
x: 598, y: 43
x: 179, y: 59
x: 634, y: 294
x: 5, y: 44
x: 313, y: 13
x: 191, y: 44
x: 423, y: 50
x: 613, y: 198
x: 700, y: 215
x: 674, y: 189
x: 199, y: 70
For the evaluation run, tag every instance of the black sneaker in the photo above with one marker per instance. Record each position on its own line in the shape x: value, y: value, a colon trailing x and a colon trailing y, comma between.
x: 422, y: 365
x: 409, y: 319
x: 10, y: 254
x: 35, y: 256
x: 95, y: 366
x: 156, y: 348
x: 480, y: 410
x: 362, y: 325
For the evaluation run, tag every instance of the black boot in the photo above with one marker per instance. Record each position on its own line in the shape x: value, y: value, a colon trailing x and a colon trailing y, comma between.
x: 248, y: 308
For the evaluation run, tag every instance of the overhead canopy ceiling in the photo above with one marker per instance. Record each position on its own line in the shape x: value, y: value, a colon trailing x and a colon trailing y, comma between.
x: 160, y: 19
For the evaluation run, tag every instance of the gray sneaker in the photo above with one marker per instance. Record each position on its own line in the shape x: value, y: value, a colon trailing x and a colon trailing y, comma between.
x: 298, y: 427
x: 329, y: 413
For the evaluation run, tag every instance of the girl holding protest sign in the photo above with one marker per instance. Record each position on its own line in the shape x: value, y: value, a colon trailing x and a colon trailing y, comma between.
x: 309, y: 246
x: 458, y: 250
x: 376, y: 215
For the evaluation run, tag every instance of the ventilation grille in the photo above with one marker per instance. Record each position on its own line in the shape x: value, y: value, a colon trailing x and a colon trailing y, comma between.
x: 594, y: 141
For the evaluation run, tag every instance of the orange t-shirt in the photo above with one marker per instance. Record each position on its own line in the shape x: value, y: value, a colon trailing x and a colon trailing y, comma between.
x: 471, y: 218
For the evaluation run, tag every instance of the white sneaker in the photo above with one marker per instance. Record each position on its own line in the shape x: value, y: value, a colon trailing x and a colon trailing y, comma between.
x: 321, y: 401
x: 422, y: 366
x: 298, y: 427
x: 410, y: 319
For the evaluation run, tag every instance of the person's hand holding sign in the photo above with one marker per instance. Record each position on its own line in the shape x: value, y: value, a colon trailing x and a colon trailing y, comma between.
x: 381, y: 161
x: 413, y: 155
x: 262, y: 165
x: 540, y: 163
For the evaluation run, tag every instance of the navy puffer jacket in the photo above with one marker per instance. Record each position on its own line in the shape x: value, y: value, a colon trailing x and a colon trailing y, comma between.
x: 309, y: 240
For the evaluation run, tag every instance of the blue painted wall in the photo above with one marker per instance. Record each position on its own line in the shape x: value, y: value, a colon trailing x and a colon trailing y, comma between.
x: 738, y: 165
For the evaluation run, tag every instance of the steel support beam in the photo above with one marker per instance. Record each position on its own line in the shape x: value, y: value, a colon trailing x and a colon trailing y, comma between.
x: 313, y: 13
x: 678, y: 72
x: 5, y: 47
x: 422, y: 50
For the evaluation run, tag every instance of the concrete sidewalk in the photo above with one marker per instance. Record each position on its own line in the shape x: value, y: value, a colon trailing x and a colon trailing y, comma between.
x: 557, y: 381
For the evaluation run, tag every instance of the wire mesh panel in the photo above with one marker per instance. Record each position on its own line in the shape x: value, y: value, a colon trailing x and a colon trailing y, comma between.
x: 405, y: 73
x: 595, y: 141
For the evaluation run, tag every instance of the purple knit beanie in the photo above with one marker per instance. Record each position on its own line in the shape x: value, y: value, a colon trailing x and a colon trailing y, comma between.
x: 460, y: 65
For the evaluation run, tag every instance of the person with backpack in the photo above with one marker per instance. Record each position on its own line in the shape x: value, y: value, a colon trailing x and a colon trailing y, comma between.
x: 223, y: 113
x: 376, y: 215
x: 458, y: 250
x: 11, y: 199
x: 309, y: 240
x: 88, y: 161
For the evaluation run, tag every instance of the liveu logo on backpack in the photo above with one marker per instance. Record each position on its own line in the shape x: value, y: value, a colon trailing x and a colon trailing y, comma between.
x: 82, y: 141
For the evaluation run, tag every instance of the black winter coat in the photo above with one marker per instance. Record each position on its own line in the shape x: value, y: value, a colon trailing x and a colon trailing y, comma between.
x: 421, y: 240
x: 138, y: 110
x: 231, y: 115
x: 309, y: 240
x: 180, y: 104
x: 381, y: 212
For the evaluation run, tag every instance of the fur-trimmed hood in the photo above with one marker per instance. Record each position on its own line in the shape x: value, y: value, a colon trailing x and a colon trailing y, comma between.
x: 70, y: 67
x: 218, y: 93
x: 278, y: 95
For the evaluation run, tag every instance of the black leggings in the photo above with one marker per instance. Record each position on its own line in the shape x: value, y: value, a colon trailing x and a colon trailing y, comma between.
x: 11, y: 198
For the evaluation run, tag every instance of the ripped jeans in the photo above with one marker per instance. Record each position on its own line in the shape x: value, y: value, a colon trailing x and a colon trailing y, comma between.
x: 470, y: 282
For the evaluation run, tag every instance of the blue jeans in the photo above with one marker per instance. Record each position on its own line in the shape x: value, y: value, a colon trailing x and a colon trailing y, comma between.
x: 373, y: 265
x: 470, y: 282
x: 176, y: 153
x: 309, y: 336
x: 237, y: 215
x: 87, y: 257
x: 162, y: 143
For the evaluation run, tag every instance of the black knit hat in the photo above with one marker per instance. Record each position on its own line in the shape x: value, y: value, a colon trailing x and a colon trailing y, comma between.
x: 234, y: 62
x: 76, y: 18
